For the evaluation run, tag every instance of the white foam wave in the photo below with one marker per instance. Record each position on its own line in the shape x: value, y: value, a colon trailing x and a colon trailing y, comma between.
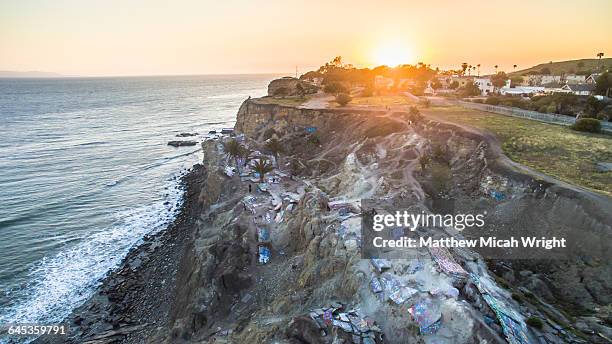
x: 63, y: 282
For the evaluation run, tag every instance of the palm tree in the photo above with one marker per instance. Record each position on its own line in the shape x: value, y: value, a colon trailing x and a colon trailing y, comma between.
x: 514, y: 67
x: 464, y: 66
x: 478, y: 65
x: 233, y: 149
x: 262, y: 166
x: 276, y: 148
x: 600, y: 55
x: 469, y: 69
x: 496, y: 68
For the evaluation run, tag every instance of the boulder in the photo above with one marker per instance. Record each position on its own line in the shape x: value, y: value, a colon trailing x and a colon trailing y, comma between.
x: 186, y: 134
x: 182, y: 143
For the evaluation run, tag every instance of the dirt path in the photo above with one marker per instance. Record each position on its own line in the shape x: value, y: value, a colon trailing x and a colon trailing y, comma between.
x: 319, y: 101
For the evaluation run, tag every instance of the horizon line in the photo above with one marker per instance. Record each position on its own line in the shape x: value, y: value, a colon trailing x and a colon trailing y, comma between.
x: 55, y: 75
x: 63, y: 76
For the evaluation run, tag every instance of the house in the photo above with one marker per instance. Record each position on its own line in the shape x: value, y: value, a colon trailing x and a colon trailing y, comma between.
x: 579, y: 89
x: 573, y: 79
x: 485, y: 85
x: 429, y: 90
x: 382, y: 82
x: 592, y: 79
x: 521, y: 90
x: 551, y: 90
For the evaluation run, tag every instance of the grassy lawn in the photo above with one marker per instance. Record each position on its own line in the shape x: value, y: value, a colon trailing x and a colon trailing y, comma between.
x: 552, y: 149
x: 382, y: 100
x: 289, y: 101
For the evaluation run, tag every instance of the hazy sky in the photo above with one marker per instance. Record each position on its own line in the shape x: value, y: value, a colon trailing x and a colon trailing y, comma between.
x: 147, y: 37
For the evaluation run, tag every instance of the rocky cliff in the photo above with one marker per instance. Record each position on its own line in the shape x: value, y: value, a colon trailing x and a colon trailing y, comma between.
x: 280, y: 262
x: 339, y: 157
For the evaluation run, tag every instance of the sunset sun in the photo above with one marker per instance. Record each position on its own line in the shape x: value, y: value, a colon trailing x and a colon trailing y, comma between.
x: 392, y: 54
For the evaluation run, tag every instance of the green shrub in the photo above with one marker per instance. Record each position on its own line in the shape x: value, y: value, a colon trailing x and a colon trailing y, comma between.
x: 439, y: 152
x: 514, y: 102
x: 470, y: 89
x: 343, y: 99
x: 334, y: 88
x: 424, y: 160
x: 551, y: 108
x: 535, y: 322
x: 440, y: 177
x: 367, y: 92
x: 602, y: 116
x: 269, y: 133
x: 314, y: 139
x: 591, y: 125
x: 594, y: 106
x: 414, y: 114
x: 492, y: 101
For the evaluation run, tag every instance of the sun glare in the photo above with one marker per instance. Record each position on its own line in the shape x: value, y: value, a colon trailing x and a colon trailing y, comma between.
x: 392, y: 54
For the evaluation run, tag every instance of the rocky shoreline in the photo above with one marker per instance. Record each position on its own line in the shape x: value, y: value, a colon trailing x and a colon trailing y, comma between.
x: 202, y: 280
x: 134, y: 301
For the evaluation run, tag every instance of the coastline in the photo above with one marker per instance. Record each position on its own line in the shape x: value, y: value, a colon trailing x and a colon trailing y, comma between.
x: 198, y: 280
x: 133, y: 301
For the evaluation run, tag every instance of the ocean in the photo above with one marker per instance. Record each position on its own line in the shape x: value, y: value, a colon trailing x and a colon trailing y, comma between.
x: 86, y: 173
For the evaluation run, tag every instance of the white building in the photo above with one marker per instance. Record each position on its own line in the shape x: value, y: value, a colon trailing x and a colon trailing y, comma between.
x: 522, y: 90
x: 485, y: 85
x: 592, y: 79
x: 580, y: 89
x: 573, y: 79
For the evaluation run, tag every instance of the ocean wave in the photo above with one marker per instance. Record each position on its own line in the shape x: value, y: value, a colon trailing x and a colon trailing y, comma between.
x: 92, y: 143
x: 155, y: 164
x: 60, y: 283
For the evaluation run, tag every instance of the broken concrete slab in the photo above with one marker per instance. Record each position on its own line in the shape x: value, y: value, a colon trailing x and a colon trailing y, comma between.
x: 402, y: 295
x: 380, y: 264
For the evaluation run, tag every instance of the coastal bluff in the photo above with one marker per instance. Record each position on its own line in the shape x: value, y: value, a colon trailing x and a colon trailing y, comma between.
x: 204, y: 280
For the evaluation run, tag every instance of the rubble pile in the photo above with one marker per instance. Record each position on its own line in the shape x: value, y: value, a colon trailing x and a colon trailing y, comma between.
x: 362, y: 330
x: 265, y: 255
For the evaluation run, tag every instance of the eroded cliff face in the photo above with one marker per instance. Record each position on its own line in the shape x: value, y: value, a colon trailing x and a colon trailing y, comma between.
x: 339, y: 157
x: 522, y: 203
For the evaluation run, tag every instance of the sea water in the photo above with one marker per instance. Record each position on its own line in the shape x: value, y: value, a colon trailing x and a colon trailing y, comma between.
x: 86, y: 172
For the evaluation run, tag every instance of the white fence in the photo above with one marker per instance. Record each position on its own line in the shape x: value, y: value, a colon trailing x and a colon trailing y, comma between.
x: 534, y: 115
